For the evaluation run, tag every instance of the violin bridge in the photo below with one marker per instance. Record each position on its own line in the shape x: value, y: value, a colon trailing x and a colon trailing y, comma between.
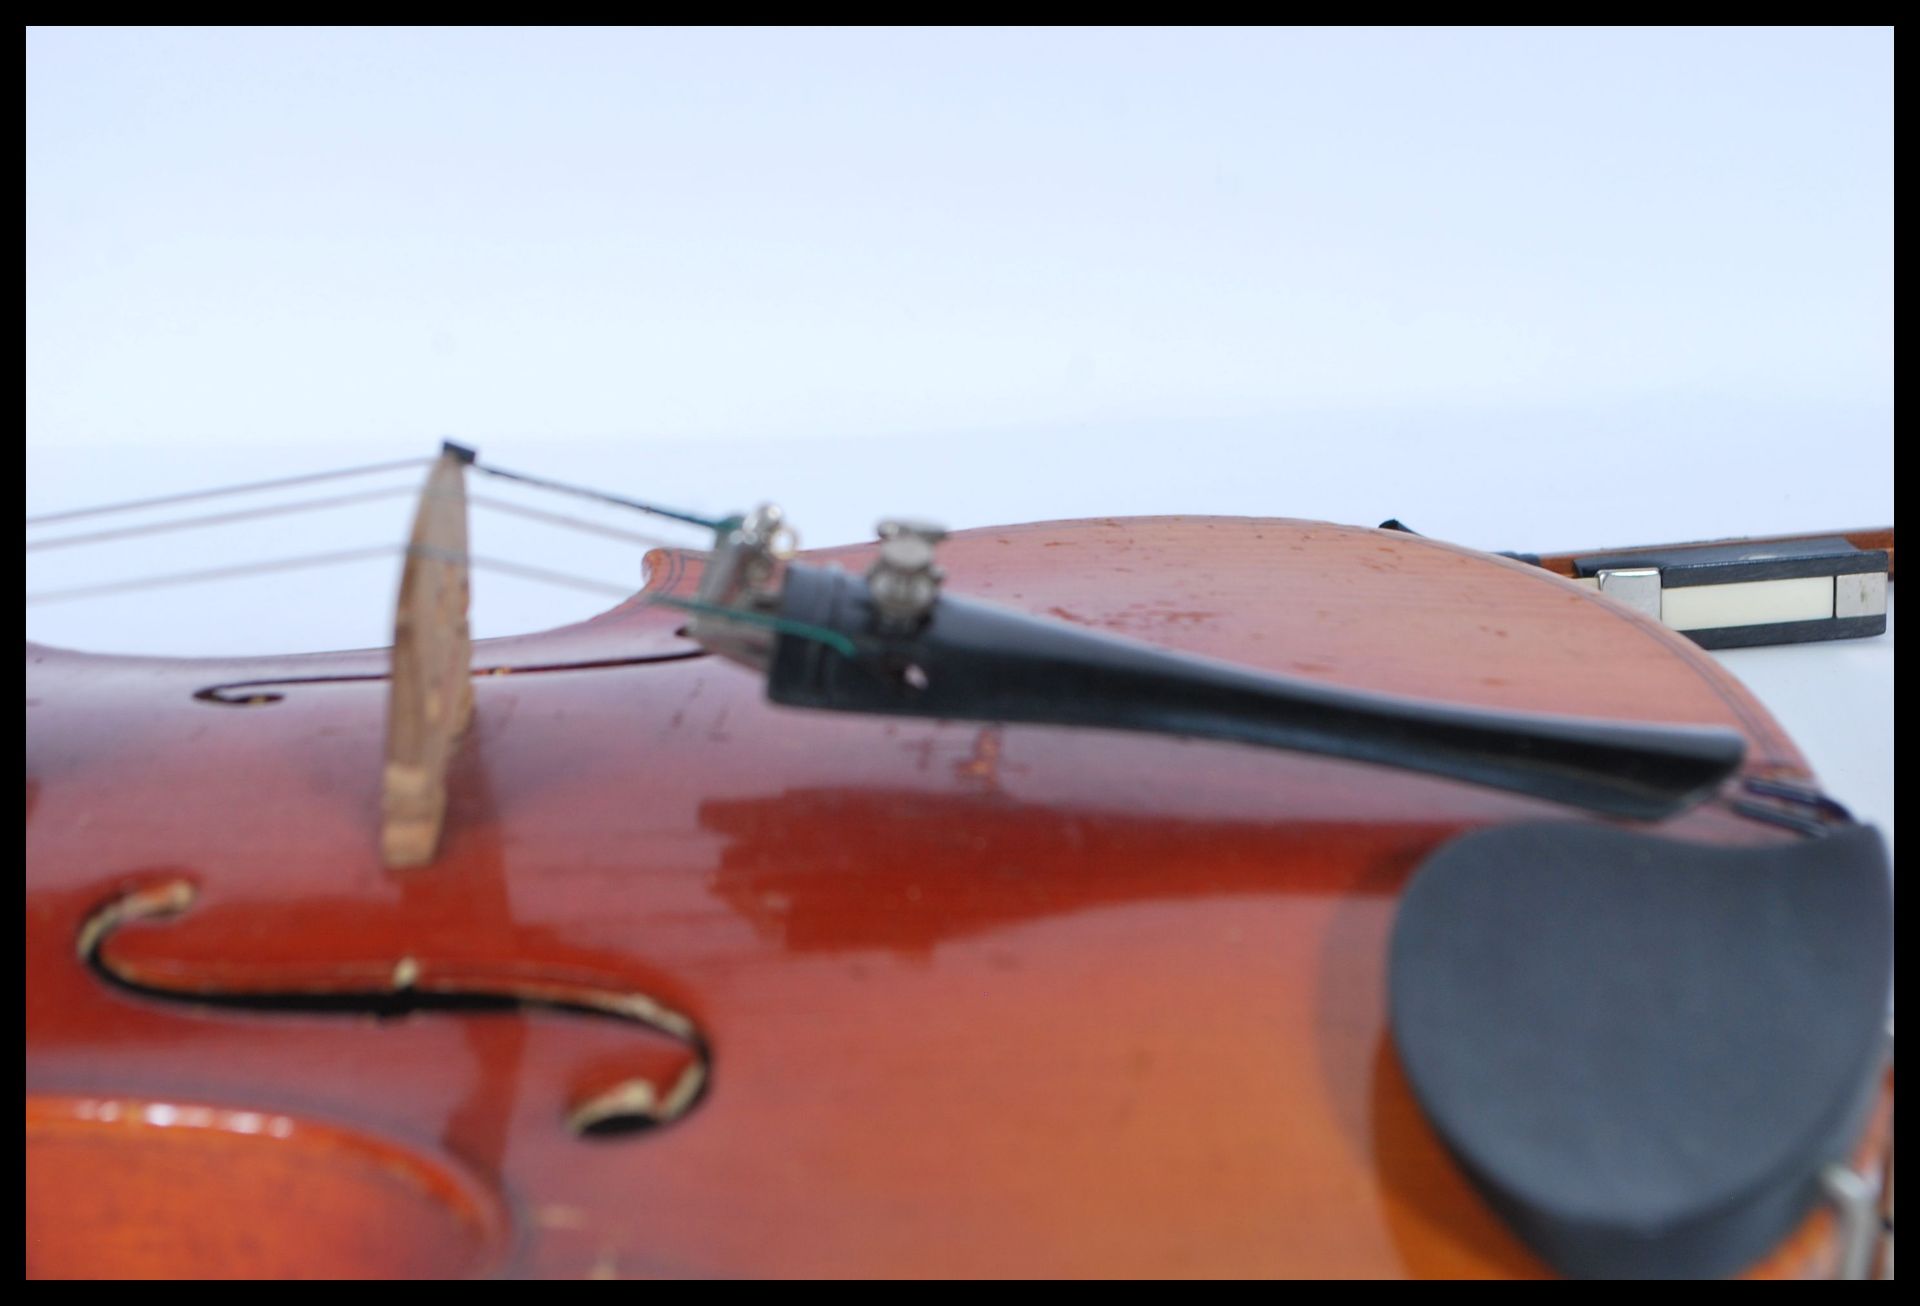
x: 430, y: 692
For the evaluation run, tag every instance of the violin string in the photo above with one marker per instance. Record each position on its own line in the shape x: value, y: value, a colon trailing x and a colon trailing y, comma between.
x: 211, y: 574
x: 577, y: 523
x: 338, y: 501
x: 524, y: 478
x: 220, y: 518
x: 545, y: 574
x: 585, y: 492
x: 248, y: 487
x: 560, y: 578
x: 524, y: 571
x: 804, y: 630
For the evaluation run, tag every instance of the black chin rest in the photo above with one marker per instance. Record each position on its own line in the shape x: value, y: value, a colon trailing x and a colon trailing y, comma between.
x: 1643, y: 1051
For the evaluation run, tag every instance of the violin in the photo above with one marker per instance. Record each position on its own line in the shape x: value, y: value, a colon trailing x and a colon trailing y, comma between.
x: 1139, y: 897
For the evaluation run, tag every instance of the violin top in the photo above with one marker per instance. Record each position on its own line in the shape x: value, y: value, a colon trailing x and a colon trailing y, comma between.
x: 890, y: 997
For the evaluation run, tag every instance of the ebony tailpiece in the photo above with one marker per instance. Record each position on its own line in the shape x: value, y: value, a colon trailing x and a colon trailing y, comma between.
x: 975, y: 662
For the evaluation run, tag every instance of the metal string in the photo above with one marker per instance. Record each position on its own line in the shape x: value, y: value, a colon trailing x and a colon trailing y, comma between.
x: 213, y: 573
x: 250, y: 486
x: 576, y: 523
x: 330, y: 559
x: 218, y: 518
x: 832, y: 638
x: 338, y: 501
x: 561, y: 578
x: 541, y: 574
x: 585, y: 492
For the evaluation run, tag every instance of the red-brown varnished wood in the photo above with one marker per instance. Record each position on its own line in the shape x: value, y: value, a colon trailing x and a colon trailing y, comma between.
x: 958, y: 1000
x: 148, y: 1189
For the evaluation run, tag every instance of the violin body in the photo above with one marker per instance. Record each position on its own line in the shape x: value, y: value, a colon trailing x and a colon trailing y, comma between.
x: 900, y: 998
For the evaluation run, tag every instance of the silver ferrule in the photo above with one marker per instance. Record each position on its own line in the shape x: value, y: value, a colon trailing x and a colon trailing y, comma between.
x: 743, y: 574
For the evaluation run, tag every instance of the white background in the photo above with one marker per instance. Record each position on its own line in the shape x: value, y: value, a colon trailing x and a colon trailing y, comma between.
x: 1525, y: 289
